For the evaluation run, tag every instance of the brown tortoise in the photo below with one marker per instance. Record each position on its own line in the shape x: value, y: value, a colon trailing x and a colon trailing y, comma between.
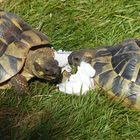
x: 24, y: 54
x: 117, y: 70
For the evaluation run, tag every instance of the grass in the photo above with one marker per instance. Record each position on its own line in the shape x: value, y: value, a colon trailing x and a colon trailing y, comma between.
x: 50, y: 115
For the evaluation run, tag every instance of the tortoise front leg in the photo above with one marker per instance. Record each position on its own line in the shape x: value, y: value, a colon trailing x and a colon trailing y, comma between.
x: 19, y: 84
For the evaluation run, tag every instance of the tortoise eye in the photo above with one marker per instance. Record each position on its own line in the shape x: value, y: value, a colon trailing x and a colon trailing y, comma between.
x: 76, y: 58
x: 46, y: 69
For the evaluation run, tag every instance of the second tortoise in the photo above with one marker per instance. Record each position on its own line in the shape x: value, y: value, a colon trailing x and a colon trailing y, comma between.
x: 117, y: 70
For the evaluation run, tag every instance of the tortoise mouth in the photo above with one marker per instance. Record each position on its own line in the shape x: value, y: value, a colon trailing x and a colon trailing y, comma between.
x: 51, y: 77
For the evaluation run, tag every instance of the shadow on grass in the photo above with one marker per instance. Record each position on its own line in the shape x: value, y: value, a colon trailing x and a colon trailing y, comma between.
x: 26, y: 117
x: 26, y: 126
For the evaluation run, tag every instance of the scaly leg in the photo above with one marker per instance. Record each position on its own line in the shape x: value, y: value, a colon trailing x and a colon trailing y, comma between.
x: 19, y: 84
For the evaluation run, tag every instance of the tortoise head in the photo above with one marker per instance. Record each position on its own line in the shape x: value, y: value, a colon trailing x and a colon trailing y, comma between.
x: 76, y: 57
x: 46, y: 68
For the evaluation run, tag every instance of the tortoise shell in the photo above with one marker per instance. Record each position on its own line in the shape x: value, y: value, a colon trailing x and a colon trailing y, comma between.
x: 16, y: 38
x: 118, y: 71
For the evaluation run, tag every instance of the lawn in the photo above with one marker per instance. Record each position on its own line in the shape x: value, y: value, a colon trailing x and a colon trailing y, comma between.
x: 50, y: 115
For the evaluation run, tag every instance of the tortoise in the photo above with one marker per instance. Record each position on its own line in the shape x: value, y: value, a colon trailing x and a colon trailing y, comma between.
x: 117, y: 70
x: 24, y: 53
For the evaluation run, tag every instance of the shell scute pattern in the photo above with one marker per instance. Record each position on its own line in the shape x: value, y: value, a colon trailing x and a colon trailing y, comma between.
x: 121, y: 75
x: 9, y: 31
x: 3, y: 47
x: 3, y: 72
x: 138, y: 78
x: 117, y: 89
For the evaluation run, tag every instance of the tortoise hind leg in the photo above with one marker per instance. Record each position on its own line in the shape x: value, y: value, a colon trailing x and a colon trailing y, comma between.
x: 19, y: 84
